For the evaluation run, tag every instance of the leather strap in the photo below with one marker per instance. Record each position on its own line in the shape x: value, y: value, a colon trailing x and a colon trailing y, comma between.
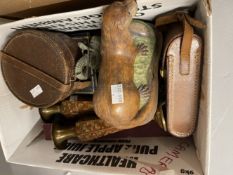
x: 35, y: 72
x: 81, y: 85
x: 188, y: 22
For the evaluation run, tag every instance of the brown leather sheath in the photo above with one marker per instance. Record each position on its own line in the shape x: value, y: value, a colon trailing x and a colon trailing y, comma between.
x: 38, y: 66
x: 182, y: 60
x: 182, y: 90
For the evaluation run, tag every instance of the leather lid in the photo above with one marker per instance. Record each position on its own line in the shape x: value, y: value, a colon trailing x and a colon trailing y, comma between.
x: 38, y: 66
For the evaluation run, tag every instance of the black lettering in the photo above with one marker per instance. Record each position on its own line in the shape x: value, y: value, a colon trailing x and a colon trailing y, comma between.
x: 62, y: 157
x: 110, y: 149
x: 92, y: 26
x: 86, y: 158
x: 117, y: 148
x: 96, y: 15
x: 43, y: 23
x: 76, y: 158
x: 84, y: 22
x: 144, y: 7
x: 101, y: 162
x: 82, y: 147
x: 82, y: 18
x: 90, y: 148
x: 96, y: 148
x: 71, y: 146
x: 137, y: 149
x: 123, y: 162
x: 68, y: 158
x: 154, y: 150
x: 68, y: 144
x: 68, y: 20
x: 61, y: 25
x: 157, y: 5
x: 109, y: 158
x: 102, y: 149
x: 92, y: 21
x: 74, y: 147
x: 129, y: 146
x: 183, y: 171
x: 144, y: 149
x: 68, y: 28
x: 93, y: 160
x: 131, y: 163
x: 115, y: 161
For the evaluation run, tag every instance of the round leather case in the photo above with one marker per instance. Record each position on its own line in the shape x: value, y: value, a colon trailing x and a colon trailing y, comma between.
x: 38, y: 66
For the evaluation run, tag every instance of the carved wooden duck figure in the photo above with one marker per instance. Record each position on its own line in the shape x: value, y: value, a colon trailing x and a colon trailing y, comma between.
x: 117, y: 97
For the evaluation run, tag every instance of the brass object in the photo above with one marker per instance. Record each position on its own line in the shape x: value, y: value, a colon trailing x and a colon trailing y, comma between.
x: 61, y: 133
x: 160, y: 117
x: 86, y: 129
x: 47, y: 113
x: 68, y: 108
x: 163, y: 73
x: 93, y: 128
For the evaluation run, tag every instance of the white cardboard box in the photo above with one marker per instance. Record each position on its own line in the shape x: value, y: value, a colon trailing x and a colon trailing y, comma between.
x: 20, y: 128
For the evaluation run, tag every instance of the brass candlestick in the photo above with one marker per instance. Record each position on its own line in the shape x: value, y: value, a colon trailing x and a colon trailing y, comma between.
x: 68, y: 109
x: 86, y: 129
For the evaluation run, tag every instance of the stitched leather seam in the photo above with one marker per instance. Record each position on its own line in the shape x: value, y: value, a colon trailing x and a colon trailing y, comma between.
x: 50, y: 42
x: 45, y: 38
x: 170, y: 104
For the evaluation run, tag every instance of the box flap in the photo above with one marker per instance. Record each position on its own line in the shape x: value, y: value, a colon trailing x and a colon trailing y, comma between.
x: 165, y: 155
x: 7, y: 7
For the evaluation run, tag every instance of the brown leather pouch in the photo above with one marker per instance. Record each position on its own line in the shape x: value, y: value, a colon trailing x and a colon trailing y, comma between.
x: 181, y: 70
x: 38, y: 66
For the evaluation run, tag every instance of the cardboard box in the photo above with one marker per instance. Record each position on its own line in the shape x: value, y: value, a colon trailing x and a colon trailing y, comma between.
x: 20, y: 129
x: 20, y: 5
x: 25, y: 9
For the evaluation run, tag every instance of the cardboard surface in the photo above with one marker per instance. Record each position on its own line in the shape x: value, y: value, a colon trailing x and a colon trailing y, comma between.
x: 202, y: 135
x: 58, y: 7
x: 7, y: 7
x: 121, y: 156
x: 221, y: 159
